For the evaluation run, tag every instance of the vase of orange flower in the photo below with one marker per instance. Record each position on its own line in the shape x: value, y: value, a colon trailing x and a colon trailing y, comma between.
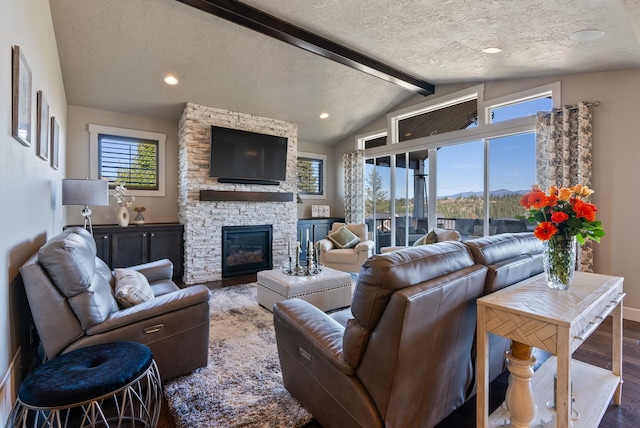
x: 564, y: 216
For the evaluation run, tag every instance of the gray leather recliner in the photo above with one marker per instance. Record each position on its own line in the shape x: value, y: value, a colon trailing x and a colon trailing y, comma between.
x: 404, y: 358
x: 71, y: 296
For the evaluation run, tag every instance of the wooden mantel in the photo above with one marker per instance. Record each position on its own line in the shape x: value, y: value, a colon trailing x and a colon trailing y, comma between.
x: 228, y: 195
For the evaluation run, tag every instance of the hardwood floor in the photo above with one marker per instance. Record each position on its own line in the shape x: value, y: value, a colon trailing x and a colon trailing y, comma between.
x: 596, y: 350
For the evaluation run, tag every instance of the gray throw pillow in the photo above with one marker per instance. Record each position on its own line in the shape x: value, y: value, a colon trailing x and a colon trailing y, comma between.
x: 132, y: 288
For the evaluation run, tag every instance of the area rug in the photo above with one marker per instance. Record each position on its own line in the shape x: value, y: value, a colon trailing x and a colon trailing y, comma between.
x: 242, y: 384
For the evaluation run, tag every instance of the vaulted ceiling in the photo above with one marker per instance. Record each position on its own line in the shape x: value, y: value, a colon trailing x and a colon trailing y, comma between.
x: 115, y: 53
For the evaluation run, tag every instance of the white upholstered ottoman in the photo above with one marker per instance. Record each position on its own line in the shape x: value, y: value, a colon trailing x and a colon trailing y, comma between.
x: 330, y: 289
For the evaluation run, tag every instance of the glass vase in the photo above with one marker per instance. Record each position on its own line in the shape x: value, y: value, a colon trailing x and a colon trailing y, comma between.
x: 559, y: 254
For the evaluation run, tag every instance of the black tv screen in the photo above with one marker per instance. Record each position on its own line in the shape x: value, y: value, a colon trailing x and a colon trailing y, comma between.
x: 247, y: 155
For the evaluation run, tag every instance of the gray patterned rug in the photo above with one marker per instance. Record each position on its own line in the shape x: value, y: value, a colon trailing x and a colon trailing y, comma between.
x: 242, y: 384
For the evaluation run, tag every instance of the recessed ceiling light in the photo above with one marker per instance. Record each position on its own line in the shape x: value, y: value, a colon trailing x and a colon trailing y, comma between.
x: 324, y: 115
x: 587, y: 35
x: 491, y: 50
x: 170, y: 80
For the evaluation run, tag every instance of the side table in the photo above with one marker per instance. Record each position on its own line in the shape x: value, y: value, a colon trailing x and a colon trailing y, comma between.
x: 559, y: 322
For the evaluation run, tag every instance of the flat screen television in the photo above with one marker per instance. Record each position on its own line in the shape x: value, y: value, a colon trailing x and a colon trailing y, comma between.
x: 241, y: 156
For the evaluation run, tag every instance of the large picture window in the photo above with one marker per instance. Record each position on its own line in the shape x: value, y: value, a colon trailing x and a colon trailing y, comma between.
x: 129, y: 157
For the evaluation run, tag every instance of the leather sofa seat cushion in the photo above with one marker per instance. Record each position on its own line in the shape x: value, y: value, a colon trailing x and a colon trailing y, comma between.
x: 490, y: 250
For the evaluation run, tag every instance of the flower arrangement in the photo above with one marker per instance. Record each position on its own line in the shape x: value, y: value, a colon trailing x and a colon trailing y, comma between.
x: 562, y: 212
x: 121, y: 196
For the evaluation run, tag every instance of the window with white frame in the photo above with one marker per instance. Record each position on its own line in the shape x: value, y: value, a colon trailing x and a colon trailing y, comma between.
x: 311, y: 175
x: 129, y: 157
x: 477, y: 157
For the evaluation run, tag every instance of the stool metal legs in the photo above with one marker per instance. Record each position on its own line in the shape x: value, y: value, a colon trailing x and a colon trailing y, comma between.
x: 134, y: 405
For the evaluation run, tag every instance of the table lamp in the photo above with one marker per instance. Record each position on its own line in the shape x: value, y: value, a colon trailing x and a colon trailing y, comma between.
x: 85, y: 192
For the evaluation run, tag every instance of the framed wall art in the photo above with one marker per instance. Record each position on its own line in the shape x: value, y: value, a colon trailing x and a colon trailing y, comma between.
x: 55, y: 142
x: 42, y: 134
x: 21, y: 98
x: 320, y: 211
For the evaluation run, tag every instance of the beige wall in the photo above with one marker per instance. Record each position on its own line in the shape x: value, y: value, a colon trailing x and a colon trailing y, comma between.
x: 616, y: 155
x: 29, y: 188
x: 158, y: 209
x: 304, y: 209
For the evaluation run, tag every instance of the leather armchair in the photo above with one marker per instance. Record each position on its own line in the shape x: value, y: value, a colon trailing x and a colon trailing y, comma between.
x: 346, y: 259
x: 71, y: 296
x: 404, y: 357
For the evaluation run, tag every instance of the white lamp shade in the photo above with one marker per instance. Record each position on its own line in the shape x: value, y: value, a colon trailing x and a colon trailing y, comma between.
x: 85, y: 192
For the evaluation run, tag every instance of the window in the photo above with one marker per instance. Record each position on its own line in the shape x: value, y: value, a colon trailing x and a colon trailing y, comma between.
x: 129, y: 161
x: 130, y: 157
x: 311, y: 175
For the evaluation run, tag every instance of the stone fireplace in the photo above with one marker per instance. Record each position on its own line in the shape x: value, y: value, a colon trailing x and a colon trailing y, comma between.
x: 206, y: 206
x: 246, y: 249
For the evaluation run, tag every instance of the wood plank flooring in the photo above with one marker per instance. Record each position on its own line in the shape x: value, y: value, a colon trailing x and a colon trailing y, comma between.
x: 596, y: 350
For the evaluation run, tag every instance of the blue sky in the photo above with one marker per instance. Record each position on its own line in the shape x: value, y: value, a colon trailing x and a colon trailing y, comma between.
x: 512, y: 159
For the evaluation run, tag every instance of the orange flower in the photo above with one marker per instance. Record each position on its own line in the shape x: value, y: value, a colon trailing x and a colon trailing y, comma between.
x: 564, y: 194
x: 545, y: 231
x: 559, y: 217
x: 538, y: 200
x: 553, y: 190
x: 582, y: 191
x: 584, y: 210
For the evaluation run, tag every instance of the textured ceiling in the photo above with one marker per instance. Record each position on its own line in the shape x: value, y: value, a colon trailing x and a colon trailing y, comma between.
x: 114, y: 53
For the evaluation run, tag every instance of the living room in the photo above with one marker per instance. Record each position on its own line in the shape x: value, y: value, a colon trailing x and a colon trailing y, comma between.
x: 33, y: 188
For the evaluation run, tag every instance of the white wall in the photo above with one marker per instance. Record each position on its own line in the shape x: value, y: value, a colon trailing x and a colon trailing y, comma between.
x: 29, y: 188
x: 616, y: 155
x: 158, y: 209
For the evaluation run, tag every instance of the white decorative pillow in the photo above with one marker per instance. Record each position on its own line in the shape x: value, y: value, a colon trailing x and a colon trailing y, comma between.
x: 131, y: 288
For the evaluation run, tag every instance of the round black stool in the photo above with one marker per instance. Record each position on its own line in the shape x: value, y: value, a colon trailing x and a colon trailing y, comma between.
x: 106, y: 385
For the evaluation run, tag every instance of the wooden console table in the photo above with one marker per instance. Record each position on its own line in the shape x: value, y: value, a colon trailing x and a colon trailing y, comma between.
x: 558, y: 322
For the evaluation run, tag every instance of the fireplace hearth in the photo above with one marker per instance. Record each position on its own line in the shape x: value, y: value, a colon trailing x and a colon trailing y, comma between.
x: 246, y: 249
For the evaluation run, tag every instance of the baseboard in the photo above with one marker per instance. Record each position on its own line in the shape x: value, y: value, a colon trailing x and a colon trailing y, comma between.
x: 9, y: 388
x: 631, y: 314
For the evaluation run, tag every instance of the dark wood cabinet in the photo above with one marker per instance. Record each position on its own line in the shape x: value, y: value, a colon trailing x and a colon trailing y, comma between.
x: 322, y: 228
x: 137, y: 244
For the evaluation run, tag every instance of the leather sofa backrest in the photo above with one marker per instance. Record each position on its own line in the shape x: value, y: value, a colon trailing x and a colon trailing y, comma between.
x: 70, y: 261
x: 411, y: 336
x: 382, y: 275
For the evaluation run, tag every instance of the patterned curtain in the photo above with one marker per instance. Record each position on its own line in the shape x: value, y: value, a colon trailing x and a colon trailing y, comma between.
x: 354, y: 186
x: 563, y: 156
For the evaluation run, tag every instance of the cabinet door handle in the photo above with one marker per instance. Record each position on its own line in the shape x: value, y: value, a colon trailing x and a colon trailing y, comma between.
x: 153, y: 234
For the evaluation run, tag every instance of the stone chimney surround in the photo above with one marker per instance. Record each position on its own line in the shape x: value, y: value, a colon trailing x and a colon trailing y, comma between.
x: 203, y: 219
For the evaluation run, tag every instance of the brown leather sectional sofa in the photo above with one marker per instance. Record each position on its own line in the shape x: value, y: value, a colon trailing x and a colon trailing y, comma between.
x: 403, y: 354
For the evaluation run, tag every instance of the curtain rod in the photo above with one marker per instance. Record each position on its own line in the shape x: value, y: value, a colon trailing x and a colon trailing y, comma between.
x: 591, y: 104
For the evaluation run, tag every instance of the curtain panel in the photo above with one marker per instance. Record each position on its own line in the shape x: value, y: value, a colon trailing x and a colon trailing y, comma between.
x: 354, y: 186
x: 564, y: 156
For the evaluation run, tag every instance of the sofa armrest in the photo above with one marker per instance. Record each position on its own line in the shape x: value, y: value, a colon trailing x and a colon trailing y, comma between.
x: 320, y: 335
x: 325, y: 245
x: 155, y: 271
x: 364, y: 246
x: 157, y: 306
x: 384, y: 250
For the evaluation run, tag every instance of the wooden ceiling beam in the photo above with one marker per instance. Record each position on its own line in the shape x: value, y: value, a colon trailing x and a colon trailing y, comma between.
x: 269, y: 25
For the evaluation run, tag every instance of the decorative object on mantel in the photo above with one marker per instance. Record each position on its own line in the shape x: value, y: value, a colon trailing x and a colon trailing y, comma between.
x: 320, y: 211
x: 125, y: 202
x: 564, y: 215
x: 139, y: 218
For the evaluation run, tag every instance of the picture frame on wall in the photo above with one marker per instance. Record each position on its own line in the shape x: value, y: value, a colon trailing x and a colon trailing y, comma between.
x: 55, y: 142
x: 21, y: 98
x: 42, y: 134
x: 320, y: 211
